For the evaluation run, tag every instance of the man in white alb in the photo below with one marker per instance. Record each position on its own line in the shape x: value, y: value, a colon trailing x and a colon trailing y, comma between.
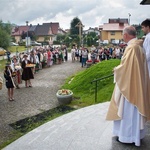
x: 130, y: 103
x: 146, y: 45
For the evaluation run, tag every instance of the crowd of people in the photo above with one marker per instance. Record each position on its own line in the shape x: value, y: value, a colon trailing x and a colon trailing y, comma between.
x: 23, y: 66
x: 96, y: 54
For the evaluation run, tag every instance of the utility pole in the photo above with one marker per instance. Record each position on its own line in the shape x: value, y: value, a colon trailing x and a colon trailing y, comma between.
x: 80, y: 26
x: 129, y: 18
x: 27, y: 36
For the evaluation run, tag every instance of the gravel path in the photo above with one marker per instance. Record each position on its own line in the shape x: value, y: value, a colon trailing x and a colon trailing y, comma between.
x: 31, y: 101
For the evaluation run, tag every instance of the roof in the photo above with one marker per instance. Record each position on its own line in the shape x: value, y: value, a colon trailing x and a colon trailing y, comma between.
x: 32, y: 28
x: 54, y: 27
x: 114, y: 26
x: 93, y: 29
x: 118, y: 20
x: 47, y: 29
x: 61, y: 30
x: 40, y: 30
x: 100, y: 27
x: 18, y: 30
x: 145, y: 2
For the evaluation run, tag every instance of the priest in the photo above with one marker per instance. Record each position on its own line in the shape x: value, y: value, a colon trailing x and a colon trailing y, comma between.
x: 130, y: 103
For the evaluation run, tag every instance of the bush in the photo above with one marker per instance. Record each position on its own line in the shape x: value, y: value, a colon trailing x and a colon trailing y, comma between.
x: 22, y: 44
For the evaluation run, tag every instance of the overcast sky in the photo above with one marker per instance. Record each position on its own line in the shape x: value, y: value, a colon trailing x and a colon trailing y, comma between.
x: 92, y: 13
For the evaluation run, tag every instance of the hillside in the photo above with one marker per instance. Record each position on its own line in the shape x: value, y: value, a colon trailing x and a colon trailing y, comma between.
x: 84, y: 91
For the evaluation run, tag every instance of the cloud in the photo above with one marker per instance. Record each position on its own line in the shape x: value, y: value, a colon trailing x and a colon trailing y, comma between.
x: 91, y: 13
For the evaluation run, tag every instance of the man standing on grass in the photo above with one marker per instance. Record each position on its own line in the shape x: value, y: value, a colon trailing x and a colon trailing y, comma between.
x: 130, y: 103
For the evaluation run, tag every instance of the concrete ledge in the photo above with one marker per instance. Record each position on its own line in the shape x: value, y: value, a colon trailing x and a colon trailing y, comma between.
x: 83, y: 129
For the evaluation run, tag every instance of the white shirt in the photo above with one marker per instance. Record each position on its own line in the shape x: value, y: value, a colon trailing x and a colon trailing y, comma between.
x: 146, y: 46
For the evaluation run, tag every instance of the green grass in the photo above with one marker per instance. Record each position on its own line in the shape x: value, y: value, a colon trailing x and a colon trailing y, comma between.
x: 84, y: 91
x: 13, y: 49
x: 26, y: 125
x: 2, y: 64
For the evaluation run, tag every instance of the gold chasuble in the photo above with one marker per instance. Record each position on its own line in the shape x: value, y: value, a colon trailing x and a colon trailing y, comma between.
x: 132, y: 82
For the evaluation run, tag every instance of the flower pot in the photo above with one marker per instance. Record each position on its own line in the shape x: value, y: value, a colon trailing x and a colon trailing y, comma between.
x: 89, y: 62
x: 88, y: 65
x: 64, y: 99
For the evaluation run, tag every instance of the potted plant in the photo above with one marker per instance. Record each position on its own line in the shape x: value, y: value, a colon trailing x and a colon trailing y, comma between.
x: 64, y: 96
x: 89, y: 63
x: 96, y: 61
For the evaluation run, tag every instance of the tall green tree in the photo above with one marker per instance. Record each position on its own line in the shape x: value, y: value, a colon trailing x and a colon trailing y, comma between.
x: 92, y: 34
x: 5, y: 34
x: 60, y: 38
x: 67, y: 41
x: 89, y: 41
x: 92, y: 39
x: 74, y: 30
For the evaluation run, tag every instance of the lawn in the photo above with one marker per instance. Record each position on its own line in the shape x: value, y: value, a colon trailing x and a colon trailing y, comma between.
x: 14, y: 49
x: 84, y: 90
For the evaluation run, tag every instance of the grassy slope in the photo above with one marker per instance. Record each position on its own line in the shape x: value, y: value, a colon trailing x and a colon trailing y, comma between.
x: 84, y: 91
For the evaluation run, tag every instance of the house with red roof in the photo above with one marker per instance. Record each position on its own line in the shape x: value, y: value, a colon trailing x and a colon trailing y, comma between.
x: 18, y: 31
x: 47, y: 32
x: 113, y: 29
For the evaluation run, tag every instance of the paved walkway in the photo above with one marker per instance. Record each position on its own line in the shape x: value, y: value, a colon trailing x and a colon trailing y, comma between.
x: 31, y: 101
x: 83, y: 129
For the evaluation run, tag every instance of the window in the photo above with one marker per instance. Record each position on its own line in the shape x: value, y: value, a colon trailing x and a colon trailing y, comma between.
x: 112, y: 32
x: 112, y: 40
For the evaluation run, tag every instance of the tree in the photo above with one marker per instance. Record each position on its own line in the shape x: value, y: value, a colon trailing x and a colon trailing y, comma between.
x: 34, y: 37
x: 89, y: 41
x: 92, y: 39
x: 67, y: 41
x: 140, y: 33
x: 92, y: 34
x: 74, y: 30
x: 46, y: 39
x: 5, y: 32
x: 60, y: 38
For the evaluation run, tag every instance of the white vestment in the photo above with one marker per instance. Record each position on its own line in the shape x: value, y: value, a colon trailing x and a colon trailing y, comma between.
x: 146, y: 46
x: 129, y: 129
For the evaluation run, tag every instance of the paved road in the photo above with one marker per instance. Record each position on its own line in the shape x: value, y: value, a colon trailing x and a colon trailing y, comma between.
x: 31, y: 101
